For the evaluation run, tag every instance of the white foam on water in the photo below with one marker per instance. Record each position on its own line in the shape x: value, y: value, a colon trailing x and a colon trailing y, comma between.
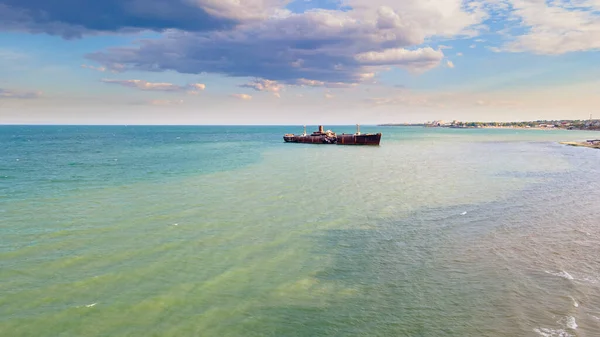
x: 562, y: 274
x: 571, y: 323
x: 463, y: 213
x: 590, y: 280
x: 87, y: 305
x: 575, y: 304
x: 547, y: 332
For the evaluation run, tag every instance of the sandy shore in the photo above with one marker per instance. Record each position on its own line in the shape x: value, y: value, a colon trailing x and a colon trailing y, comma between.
x: 583, y: 144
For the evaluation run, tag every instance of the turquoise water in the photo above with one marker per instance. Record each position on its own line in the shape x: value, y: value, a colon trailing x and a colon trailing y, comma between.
x: 228, y: 231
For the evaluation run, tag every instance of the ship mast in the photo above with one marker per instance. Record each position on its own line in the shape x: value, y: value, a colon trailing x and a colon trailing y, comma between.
x: 358, y: 129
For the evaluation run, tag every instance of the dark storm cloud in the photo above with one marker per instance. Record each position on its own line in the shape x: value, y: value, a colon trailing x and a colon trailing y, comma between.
x: 72, y: 18
x: 323, y: 46
x: 196, y: 54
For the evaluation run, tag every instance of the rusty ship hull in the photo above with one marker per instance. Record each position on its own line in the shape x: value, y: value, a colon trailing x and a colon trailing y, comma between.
x: 362, y: 139
x: 329, y: 137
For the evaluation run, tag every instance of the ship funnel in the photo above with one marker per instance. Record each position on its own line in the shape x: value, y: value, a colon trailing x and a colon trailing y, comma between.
x: 321, y: 128
x: 358, y: 129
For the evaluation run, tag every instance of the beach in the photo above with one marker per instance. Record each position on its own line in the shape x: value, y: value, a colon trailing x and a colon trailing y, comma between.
x: 583, y: 144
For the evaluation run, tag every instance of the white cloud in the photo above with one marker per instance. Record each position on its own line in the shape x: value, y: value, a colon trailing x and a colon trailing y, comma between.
x: 100, y: 69
x: 555, y: 27
x: 192, y: 88
x: 314, y: 83
x: 419, y: 59
x: 197, y: 86
x: 445, y: 18
x: 450, y: 64
x: 265, y: 85
x: 244, y: 97
x: 459, y: 54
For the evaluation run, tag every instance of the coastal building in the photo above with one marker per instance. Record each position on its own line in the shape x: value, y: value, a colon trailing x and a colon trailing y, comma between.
x: 439, y: 123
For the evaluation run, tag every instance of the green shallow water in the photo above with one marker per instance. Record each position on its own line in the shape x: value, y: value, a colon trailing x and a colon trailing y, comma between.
x: 226, y: 231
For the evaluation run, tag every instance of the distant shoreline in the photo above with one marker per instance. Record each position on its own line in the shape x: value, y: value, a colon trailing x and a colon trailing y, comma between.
x: 492, y: 127
x: 561, y: 124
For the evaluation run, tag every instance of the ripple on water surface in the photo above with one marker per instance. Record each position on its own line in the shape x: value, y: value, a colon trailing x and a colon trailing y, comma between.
x: 451, y: 234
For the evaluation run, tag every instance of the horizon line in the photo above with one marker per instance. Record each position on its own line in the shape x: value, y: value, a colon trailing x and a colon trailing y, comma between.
x: 60, y: 124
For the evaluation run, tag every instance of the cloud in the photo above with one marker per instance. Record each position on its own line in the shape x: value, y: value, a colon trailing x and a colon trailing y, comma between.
x: 72, y: 19
x: 329, y: 96
x: 150, y: 86
x: 198, y: 86
x: 100, y: 69
x: 445, y: 18
x: 17, y: 94
x: 551, y: 27
x: 419, y: 59
x: 325, y: 46
x: 265, y: 85
x: 450, y: 64
x: 556, y: 27
x: 459, y: 54
x: 244, y: 97
x: 303, y: 82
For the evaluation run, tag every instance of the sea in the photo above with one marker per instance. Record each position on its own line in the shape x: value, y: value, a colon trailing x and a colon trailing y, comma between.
x: 229, y: 231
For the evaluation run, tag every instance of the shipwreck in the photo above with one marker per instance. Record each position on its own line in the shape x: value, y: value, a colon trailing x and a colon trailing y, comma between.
x: 329, y: 137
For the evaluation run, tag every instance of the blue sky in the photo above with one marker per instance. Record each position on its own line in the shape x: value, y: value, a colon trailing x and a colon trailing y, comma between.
x: 297, y: 62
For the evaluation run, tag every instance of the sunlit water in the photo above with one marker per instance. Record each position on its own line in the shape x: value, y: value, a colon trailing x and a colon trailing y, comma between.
x: 228, y: 231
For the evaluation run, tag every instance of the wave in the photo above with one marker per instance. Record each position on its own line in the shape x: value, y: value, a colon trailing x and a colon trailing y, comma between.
x: 562, y: 274
x: 567, y: 276
x: 546, y: 332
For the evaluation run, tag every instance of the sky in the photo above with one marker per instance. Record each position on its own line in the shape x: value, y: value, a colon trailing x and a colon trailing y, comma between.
x: 297, y: 61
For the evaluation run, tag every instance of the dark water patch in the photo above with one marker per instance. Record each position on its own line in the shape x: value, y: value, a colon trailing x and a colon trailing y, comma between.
x: 501, y: 269
x: 401, y: 288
